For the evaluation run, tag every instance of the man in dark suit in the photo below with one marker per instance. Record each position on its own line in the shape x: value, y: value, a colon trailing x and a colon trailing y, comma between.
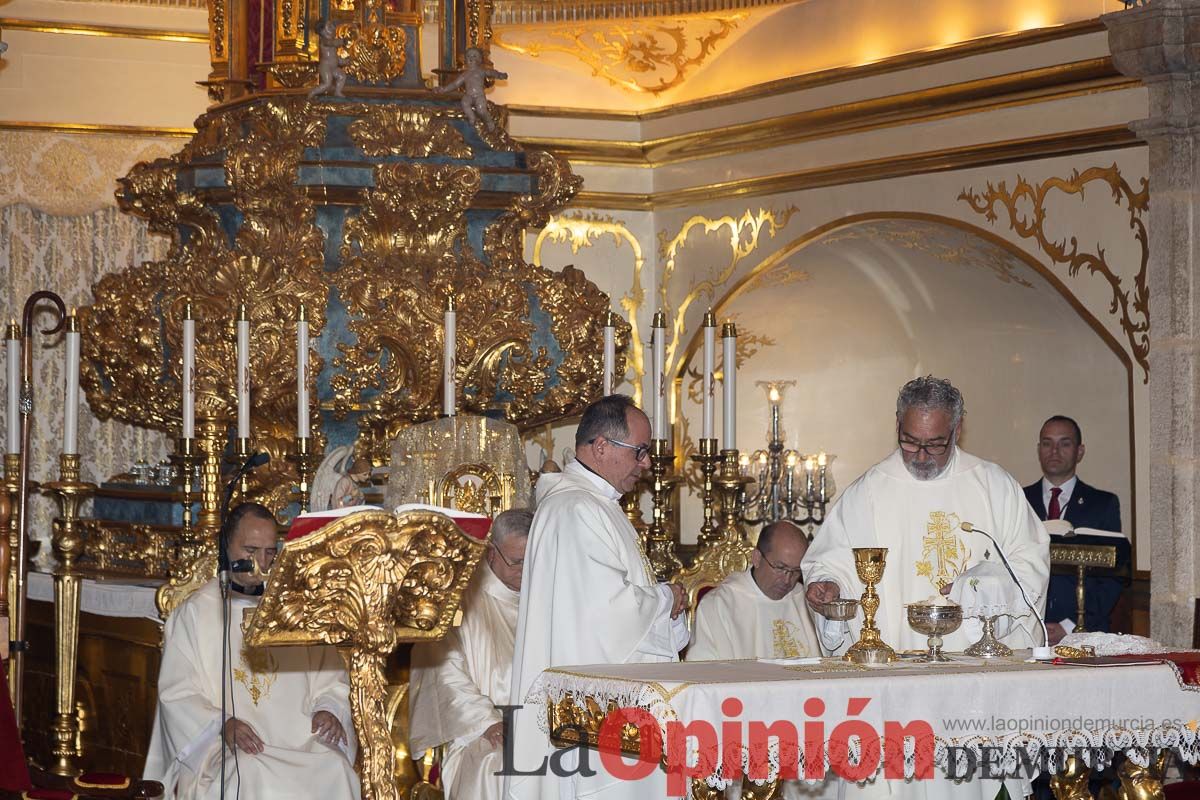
x: 1061, y: 495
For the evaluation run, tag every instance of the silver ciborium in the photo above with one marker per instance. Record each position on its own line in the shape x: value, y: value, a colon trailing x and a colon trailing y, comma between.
x: 934, y: 620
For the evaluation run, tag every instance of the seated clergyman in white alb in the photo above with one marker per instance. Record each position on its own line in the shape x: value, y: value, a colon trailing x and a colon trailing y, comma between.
x: 914, y: 503
x: 457, y: 682
x: 286, y: 721
x: 759, y: 613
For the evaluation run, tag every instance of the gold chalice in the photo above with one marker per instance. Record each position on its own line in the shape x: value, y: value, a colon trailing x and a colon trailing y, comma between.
x: 934, y: 620
x: 870, y: 647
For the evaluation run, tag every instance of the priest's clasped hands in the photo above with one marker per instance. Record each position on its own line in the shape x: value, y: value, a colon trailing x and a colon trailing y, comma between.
x: 242, y: 736
x: 679, y: 599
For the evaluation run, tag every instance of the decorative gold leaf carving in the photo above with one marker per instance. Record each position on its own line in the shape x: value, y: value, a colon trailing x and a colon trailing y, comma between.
x: 1029, y: 222
x: 365, y: 583
x: 412, y: 131
x: 375, y: 51
x: 643, y: 56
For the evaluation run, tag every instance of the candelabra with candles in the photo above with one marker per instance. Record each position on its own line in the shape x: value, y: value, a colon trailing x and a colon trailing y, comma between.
x: 304, y: 458
x: 790, y: 485
x: 660, y: 543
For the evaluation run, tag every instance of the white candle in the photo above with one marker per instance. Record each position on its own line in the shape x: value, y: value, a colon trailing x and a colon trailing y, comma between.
x: 610, y: 352
x: 243, y: 373
x: 14, y: 388
x: 449, y: 360
x: 729, y: 406
x: 71, y: 393
x: 188, y: 374
x: 658, y: 348
x: 774, y: 399
x: 303, y: 426
x: 709, y: 387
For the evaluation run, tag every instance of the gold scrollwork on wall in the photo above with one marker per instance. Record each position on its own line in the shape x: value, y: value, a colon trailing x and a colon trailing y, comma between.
x: 648, y: 56
x: 1025, y: 205
x: 579, y: 231
x: 950, y: 246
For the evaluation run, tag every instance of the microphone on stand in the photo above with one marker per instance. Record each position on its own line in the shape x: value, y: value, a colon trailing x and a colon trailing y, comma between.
x: 224, y: 568
x: 1046, y: 652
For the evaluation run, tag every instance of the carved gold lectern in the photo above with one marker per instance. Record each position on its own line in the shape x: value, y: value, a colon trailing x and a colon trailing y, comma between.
x: 365, y: 583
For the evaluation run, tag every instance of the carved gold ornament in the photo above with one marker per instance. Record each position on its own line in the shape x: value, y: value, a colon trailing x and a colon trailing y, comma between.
x: 412, y: 131
x: 375, y: 50
x: 366, y: 583
x: 1027, y: 213
x: 648, y: 56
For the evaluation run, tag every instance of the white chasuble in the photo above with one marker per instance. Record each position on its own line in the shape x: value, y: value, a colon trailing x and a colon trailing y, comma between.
x: 736, y: 620
x: 919, y: 523
x: 456, y: 685
x: 276, y: 690
x: 588, y: 597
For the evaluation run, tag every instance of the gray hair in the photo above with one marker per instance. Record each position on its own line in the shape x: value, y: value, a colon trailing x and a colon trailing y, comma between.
x: 606, y: 417
x: 512, y: 523
x: 931, y: 393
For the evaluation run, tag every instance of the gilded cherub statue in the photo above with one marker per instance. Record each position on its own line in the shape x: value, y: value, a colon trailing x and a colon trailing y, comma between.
x: 473, y: 79
x: 329, y: 65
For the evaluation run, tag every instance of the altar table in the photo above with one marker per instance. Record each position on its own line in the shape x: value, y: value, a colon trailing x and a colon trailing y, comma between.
x: 1005, y: 710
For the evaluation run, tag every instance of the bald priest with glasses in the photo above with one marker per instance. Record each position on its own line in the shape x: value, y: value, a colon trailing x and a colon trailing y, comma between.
x: 759, y: 613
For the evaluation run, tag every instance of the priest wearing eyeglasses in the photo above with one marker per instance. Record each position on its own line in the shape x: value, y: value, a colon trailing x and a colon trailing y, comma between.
x: 914, y: 503
x: 589, y: 596
x: 760, y: 612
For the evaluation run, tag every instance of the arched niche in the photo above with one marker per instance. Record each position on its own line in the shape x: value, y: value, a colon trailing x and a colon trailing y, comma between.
x: 852, y: 310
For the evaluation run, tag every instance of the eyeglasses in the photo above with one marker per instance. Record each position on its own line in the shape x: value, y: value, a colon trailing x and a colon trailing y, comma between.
x: 510, y: 564
x: 791, y: 572
x: 640, y: 451
x: 932, y: 448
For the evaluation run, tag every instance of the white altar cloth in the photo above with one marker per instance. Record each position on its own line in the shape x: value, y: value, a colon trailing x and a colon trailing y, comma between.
x: 106, y: 597
x: 1005, y: 706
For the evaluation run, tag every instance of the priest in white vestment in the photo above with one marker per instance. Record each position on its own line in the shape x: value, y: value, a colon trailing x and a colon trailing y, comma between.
x: 458, y: 682
x: 761, y: 613
x: 589, y: 596
x: 287, y: 710
x: 914, y: 503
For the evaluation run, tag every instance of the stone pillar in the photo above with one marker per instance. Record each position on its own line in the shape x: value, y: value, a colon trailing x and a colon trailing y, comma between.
x: 1160, y: 44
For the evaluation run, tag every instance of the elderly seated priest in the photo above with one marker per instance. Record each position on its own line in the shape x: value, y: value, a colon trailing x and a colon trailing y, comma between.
x: 458, y: 682
x: 284, y: 729
x: 759, y: 613
x: 914, y: 503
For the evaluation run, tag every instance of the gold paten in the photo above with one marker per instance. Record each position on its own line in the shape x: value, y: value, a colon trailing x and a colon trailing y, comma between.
x: 412, y: 131
x: 366, y: 583
x: 651, y: 56
x: 1026, y: 207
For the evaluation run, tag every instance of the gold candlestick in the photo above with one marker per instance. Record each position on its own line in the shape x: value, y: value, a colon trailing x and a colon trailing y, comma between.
x: 631, y: 503
x: 185, y: 458
x: 730, y: 485
x: 304, y: 459
x: 67, y: 539
x: 708, y: 458
x: 12, y: 487
x: 660, y: 545
x: 870, y: 647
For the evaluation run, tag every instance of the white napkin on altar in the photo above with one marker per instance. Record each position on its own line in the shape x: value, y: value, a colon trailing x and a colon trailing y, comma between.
x: 987, y: 590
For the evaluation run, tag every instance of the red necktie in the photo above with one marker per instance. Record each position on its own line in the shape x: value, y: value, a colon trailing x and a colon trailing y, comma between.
x: 1055, y: 510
